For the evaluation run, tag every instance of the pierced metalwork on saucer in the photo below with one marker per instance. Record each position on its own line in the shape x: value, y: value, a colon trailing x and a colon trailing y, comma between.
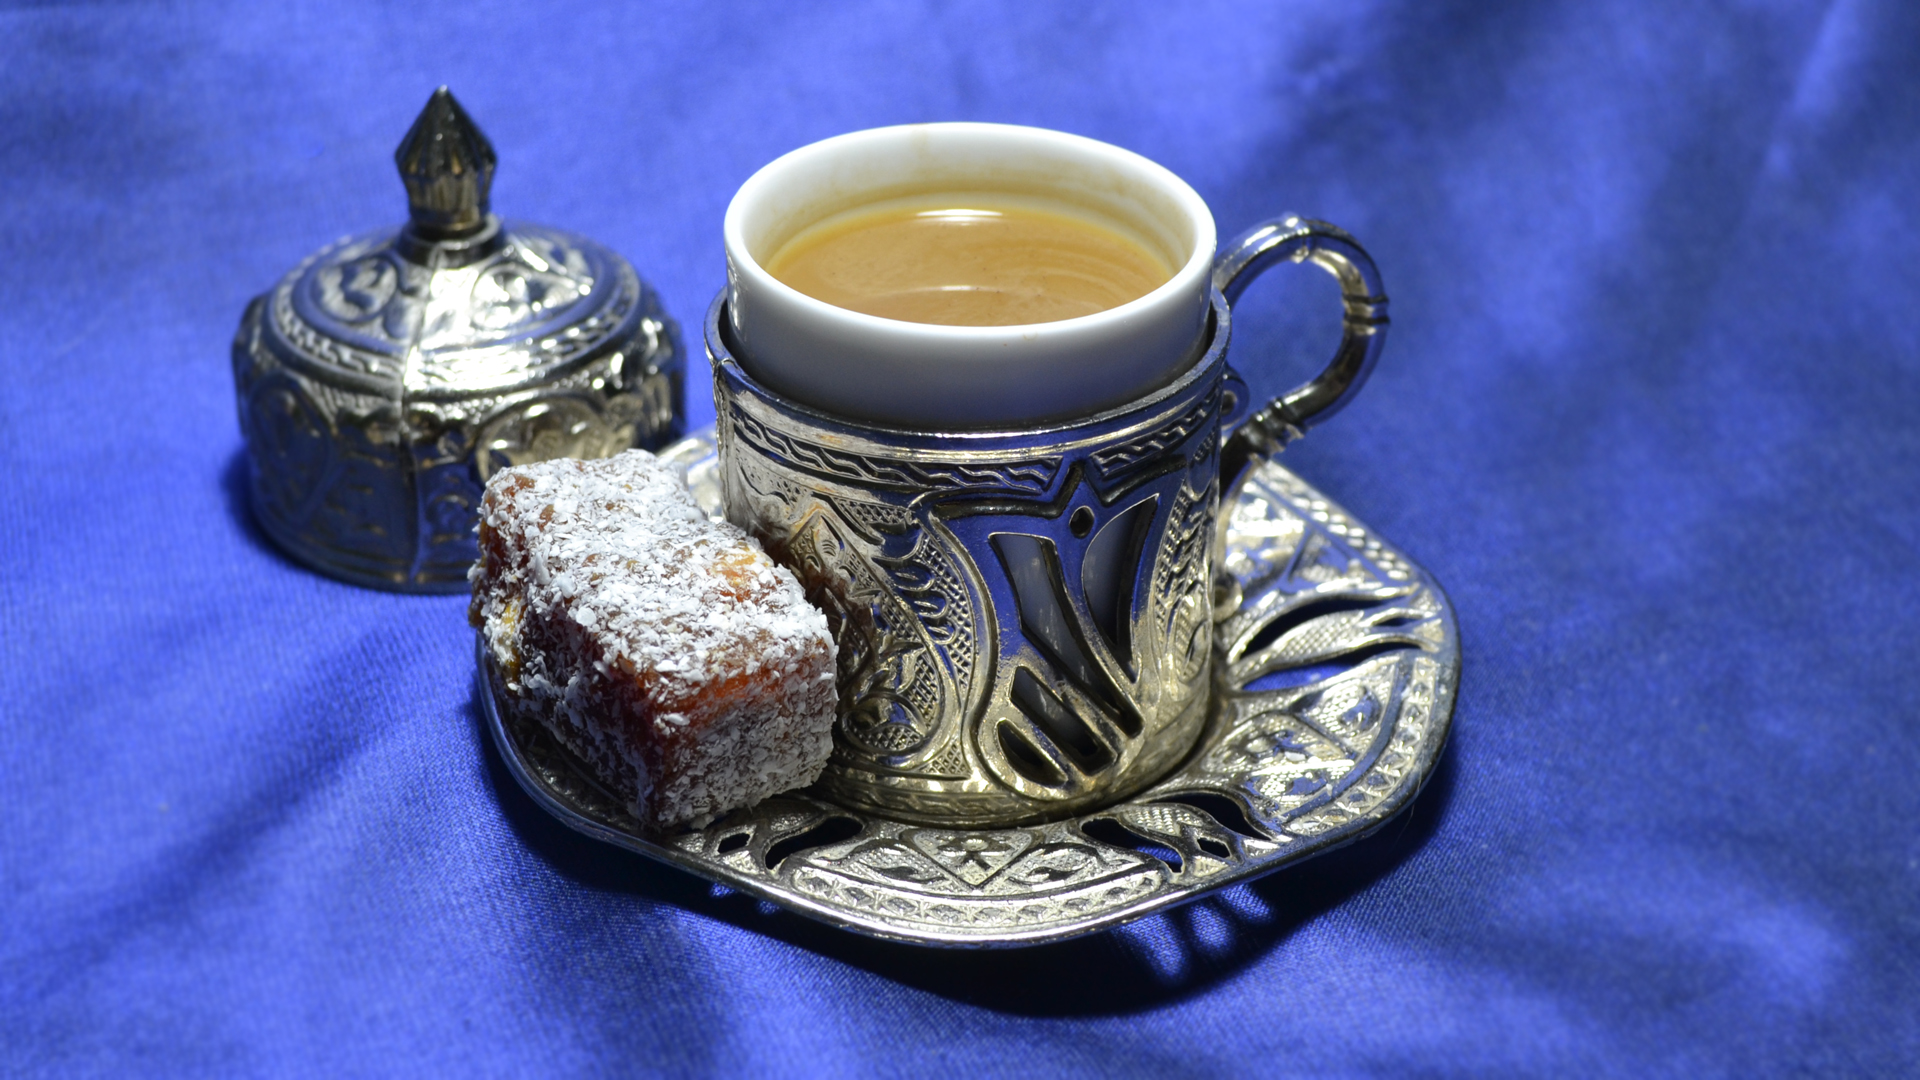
x: 1334, y: 686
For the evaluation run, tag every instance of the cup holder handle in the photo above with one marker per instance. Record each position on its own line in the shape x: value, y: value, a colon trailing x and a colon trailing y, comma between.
x: 1364, y: 330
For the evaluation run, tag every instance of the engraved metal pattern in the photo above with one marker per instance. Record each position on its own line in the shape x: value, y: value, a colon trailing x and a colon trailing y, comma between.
x: 897, y: 473
x: 382, y: 380
x: 1021, y: 618
x: 1333, y: 685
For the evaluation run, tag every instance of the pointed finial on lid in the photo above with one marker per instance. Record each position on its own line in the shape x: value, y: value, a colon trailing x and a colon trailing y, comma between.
x: 448, y: 169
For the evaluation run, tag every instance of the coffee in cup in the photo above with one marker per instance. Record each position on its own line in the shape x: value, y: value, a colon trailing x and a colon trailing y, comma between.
x: 971, y: 259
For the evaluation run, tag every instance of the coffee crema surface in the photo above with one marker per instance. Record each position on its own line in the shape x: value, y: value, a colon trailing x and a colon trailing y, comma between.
x: 966, y: 259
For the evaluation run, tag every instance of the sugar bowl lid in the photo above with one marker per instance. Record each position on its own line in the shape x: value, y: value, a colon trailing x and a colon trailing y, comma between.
x: 384, y: 378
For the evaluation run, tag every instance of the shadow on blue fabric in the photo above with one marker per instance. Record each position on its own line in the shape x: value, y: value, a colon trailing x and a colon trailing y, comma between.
x: 236, y: 490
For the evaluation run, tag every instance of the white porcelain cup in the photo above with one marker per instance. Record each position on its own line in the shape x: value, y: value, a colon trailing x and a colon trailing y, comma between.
x: 965, y: 378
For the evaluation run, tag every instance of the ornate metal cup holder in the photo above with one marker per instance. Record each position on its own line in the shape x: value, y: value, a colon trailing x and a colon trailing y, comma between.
x: 1334, y: 686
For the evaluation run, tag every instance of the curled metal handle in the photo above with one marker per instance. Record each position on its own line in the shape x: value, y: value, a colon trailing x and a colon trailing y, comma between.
x: 1297, y: 239
x: 1288, y: 416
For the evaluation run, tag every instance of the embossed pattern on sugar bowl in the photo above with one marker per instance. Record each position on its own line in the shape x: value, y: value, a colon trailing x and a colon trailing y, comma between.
x: 382, y: 380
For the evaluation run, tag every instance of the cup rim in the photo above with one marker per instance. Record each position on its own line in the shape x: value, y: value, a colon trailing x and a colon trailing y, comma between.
x: 1197, y: 264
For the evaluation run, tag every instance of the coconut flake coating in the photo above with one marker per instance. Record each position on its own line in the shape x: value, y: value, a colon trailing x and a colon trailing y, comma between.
x: 664, y: 649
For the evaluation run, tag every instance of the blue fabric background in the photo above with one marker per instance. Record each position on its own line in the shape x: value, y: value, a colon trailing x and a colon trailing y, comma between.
x: 1650, y: 410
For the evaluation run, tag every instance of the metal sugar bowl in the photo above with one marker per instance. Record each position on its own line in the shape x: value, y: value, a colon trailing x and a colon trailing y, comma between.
x: 384, y: 378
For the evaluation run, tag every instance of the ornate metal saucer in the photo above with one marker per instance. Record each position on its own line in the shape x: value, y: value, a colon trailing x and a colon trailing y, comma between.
x: 1334, y: 686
